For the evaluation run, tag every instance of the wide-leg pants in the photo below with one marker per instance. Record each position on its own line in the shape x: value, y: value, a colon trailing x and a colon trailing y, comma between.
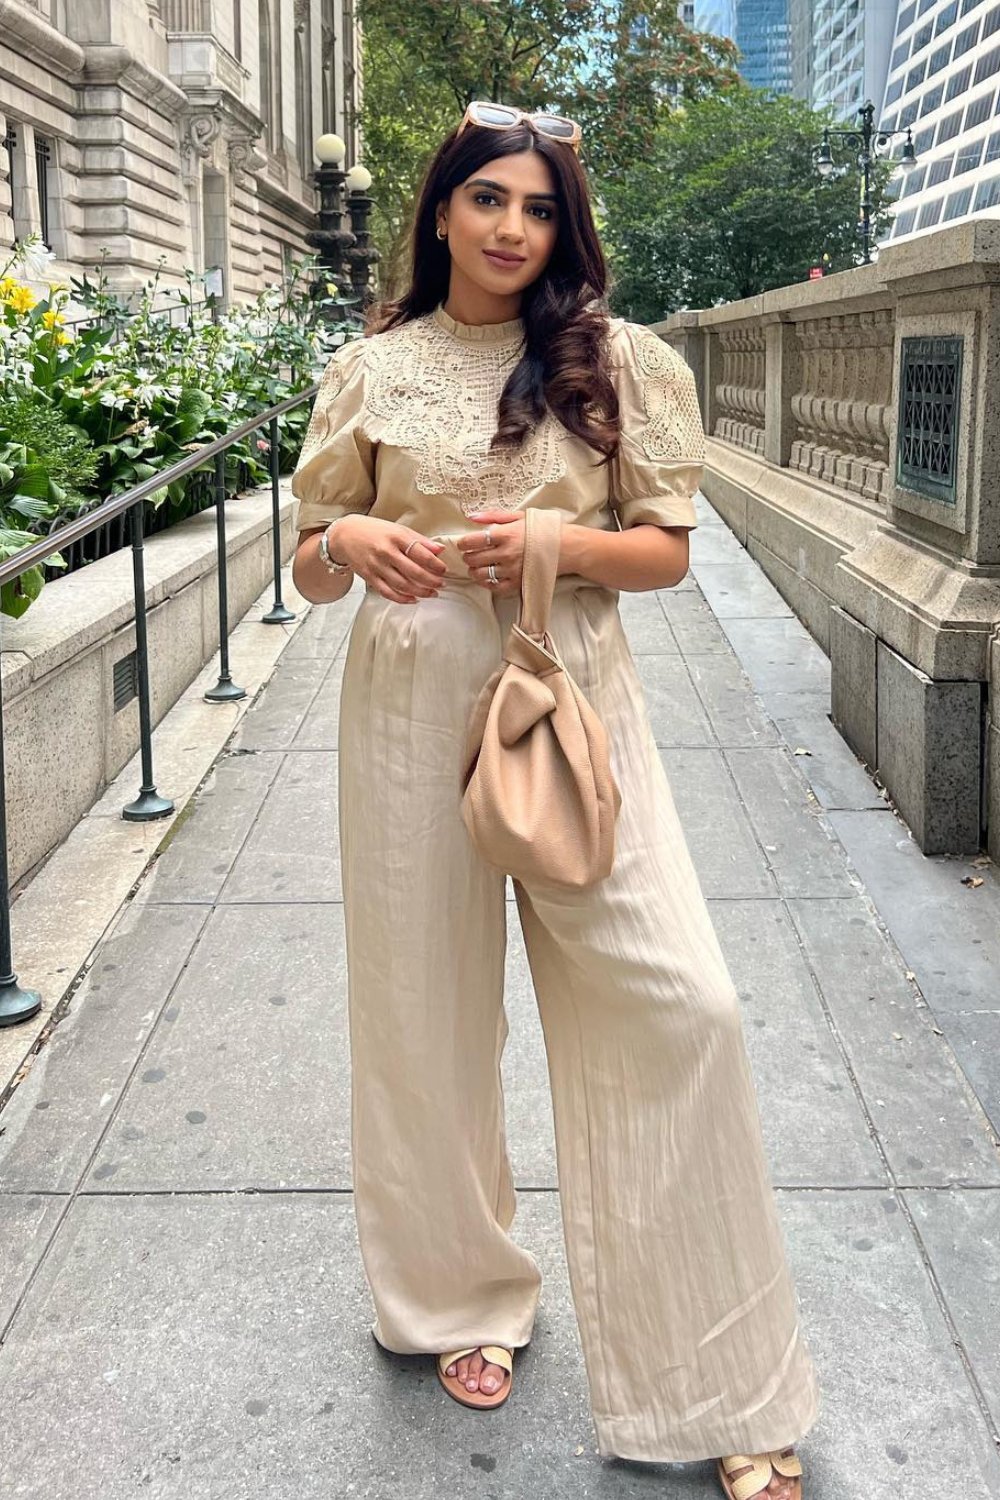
x: 686, y: 1308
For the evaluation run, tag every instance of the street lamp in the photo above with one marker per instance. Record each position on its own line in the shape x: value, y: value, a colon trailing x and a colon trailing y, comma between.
x: 870, y: 144
x: 362, y: 255
x: 330, y: 239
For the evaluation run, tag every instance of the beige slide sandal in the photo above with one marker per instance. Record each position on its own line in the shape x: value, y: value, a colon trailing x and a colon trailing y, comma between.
x: 493, y: 1354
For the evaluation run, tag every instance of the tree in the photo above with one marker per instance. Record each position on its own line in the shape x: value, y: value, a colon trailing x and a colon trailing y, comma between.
x: 618, y: 68
x: 728, y: 203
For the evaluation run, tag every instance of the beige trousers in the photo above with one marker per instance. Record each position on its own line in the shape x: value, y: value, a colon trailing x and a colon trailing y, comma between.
x: 686, y: 1309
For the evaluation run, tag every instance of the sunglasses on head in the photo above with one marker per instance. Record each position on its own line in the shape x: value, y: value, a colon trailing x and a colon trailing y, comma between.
x: 502, y: 116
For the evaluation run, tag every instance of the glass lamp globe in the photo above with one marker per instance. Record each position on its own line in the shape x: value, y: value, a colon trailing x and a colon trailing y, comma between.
x: 358, y: 179
x: 330, y: 149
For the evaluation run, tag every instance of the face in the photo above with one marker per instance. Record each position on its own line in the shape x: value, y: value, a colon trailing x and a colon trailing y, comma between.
x: 502, y: 224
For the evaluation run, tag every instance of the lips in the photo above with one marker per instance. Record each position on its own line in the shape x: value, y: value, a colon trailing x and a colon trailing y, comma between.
x: 507, y: 260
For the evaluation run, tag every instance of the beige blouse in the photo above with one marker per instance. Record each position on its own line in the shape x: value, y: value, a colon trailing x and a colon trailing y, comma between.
x: 402, y: 422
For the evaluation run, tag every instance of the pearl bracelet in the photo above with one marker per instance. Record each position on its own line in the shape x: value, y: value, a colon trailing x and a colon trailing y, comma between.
x: 332, y: 566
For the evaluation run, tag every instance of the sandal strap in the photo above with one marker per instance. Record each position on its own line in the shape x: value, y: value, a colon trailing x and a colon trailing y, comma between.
x: 493, y: 1354
x: 753, y: 1483
x: 786, y: 1462
x: 496, y: 1354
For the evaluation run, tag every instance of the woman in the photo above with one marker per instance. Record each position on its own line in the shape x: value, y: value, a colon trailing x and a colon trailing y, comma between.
x: 496, y: 382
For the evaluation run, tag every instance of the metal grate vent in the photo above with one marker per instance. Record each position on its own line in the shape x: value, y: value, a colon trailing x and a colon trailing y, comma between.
x: 929, y: 391
x: 126, y: 686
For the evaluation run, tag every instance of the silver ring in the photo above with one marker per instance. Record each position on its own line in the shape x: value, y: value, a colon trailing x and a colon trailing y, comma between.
x: 406, y: 550
x: 491, y: 573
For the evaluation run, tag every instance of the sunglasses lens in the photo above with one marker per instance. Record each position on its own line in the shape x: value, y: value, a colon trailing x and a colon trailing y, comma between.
x: 555, y: 125
x: 493, y: 114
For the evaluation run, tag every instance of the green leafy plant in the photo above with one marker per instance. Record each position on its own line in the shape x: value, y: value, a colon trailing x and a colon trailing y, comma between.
x: 98, y: 395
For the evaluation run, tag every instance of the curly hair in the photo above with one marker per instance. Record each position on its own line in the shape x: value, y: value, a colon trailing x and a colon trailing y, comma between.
x: 565, y: 366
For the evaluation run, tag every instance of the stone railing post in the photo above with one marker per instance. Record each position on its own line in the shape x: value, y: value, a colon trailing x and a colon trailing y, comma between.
x: 783, y: 364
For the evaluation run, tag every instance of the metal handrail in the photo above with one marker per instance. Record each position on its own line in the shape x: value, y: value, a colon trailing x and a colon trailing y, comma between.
x: 17, y: 1004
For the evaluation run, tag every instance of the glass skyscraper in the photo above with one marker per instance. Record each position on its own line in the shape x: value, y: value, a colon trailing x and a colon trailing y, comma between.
x: 944, y: 83
x: 763, y: 35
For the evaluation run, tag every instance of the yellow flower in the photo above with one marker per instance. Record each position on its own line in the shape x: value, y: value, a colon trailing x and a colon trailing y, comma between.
x: 51, y: 318
x: 22, y: 299
x: 7, y: 284
x: 63, y: 338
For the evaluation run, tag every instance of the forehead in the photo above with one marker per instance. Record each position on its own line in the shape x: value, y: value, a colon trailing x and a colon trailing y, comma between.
x: 524, y: 172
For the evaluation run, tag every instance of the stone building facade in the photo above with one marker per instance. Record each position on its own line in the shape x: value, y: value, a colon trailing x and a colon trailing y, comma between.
x: 135, y: 130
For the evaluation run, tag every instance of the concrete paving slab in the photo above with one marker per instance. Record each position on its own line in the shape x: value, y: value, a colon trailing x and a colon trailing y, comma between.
x: 646, y: 623
x: 733, y: 710
x: 202, y: 848
x: 245, y: 1083
x: 896, y: 1403
x: 931, y: 1126
x: 675, y: 711
x: 946, y: 932
x: 27, y: 1222
x: 734, y: 592
x: 779, y: 655
x: 326, y: 631
x: 319, y: 728
x: 54, y: 1120
x: 145, y: 1369
x: 835, y: 774
x: 695, y: 628
x: 804, y: 857
x: 715, y: 544
x: 814, y: 1127
x: 293, y: 851
x: 283, y: 704
x: 723, y: 845
x: 960, y: 1230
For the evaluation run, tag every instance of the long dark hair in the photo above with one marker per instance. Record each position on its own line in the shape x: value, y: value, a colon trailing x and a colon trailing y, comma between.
x: 566, y: 364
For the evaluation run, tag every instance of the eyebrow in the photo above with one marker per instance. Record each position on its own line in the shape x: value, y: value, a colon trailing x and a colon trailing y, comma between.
x: 485, y: 182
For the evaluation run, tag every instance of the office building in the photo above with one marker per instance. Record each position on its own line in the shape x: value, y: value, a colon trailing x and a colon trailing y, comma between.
x: 944, y: 83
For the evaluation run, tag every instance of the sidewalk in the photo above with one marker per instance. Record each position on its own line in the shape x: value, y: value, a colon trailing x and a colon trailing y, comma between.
x: 181, y: 1298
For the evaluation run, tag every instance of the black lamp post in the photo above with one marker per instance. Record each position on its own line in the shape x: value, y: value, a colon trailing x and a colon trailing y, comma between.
x: 362, y: 255
x: 330, y: 239
x: 870, y: 144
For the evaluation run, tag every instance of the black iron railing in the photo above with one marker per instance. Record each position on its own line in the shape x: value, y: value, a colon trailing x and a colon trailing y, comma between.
x: 17, y: 1004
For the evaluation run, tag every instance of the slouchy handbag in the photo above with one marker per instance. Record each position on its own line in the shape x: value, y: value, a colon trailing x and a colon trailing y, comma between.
x: 538, y: 796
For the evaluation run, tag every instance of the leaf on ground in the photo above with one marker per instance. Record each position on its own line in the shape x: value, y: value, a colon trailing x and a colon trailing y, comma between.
x: 972, y: 881
x: 801, y: 750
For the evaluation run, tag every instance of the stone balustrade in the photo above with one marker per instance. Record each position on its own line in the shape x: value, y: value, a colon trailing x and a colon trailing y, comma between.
x: 854, y: 447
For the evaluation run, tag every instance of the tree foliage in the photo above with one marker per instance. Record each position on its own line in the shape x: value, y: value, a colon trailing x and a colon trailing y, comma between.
x: 618, y: 68
x: 727, y: 203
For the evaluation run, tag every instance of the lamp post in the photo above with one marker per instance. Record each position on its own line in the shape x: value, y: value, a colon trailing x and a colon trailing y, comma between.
x: 362, y: 254
x: 870, y: 144
x: 330, y: 239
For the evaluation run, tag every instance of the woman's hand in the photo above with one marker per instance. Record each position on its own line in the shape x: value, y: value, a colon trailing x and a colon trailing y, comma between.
x: 506, y: 552
x: 376, y: 550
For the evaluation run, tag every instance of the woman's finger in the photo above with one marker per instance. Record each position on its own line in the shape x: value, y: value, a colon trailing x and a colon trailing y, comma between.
x: 396, y: 578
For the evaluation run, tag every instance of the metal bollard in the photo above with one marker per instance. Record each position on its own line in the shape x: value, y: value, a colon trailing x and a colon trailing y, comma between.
x: 149, y: 804
x: 278, y: 614
x: 225, y: 690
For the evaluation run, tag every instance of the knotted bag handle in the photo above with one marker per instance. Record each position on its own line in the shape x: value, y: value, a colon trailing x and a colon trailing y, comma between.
x: 542, y: 532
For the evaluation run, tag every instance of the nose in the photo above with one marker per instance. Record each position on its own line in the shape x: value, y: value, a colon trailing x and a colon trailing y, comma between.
x: 511, y: 226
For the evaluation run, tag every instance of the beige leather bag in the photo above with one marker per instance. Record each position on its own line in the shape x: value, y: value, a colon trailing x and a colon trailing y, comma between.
x: 538, y: 797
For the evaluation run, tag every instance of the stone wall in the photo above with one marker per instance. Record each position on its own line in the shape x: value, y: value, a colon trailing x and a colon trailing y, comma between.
x: 173, y: 129
x: 65, y: 735
x: 854, y: 448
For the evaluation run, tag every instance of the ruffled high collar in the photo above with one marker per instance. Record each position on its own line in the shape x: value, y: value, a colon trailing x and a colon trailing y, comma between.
x: 479, y: 333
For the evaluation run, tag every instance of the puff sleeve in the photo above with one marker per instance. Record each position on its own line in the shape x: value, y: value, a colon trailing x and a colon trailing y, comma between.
x: 662, y: 451
x: 335, y: 471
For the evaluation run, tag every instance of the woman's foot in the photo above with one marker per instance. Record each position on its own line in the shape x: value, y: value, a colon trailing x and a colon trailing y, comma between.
x: 476, y: 1375
x: 780, y: 1486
